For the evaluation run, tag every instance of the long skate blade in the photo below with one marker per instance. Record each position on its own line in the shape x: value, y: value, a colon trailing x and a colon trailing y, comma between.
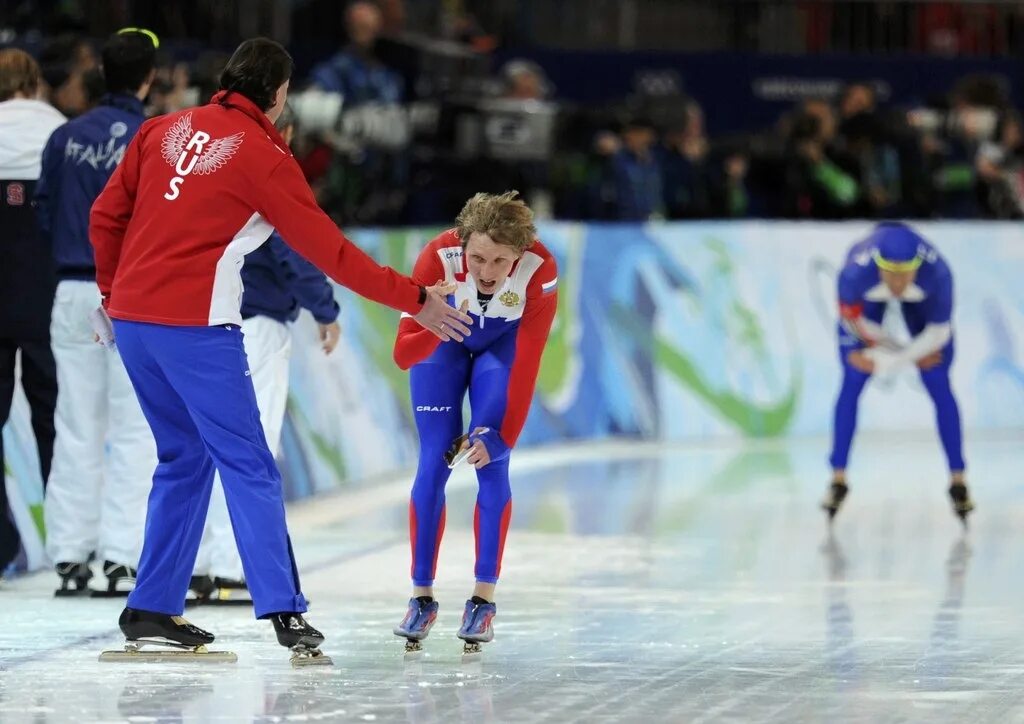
x: 72, y: 593
x: 311, y: 658
x: 210, y: 657
x: 218, y: 601
x: 456, y: 460
x: 108, y: 594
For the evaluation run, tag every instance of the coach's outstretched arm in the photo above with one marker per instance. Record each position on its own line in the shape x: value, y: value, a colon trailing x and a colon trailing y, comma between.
x: 287, y: 202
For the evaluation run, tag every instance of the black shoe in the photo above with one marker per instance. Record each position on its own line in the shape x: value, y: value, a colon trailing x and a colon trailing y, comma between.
x: 834, y: 499
x: 292, y: 630
x: 10, y: 541
x: 136, y: 625
x: 118, y: 573
x: 961, y: 498
x: 114, y: 571
x: 202, y: 587
x: 74, y: 578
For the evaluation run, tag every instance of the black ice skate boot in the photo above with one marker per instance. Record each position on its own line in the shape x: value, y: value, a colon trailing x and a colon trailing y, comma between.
x: 295, y: 633
x: 120, y: 580
x: 74, y: 578
x: 164, y: 631
x: 961, y: 499
x: 834, y: 498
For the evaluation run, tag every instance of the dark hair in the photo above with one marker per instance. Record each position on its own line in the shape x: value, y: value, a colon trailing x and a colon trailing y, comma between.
x: 58, y: 58
x: 257, y: 68
x: 95, y: 86
x: 128, y: 59
x: 806, y: 127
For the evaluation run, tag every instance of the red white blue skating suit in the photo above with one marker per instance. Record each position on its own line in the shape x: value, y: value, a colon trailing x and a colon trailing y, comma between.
x: 497, y: 364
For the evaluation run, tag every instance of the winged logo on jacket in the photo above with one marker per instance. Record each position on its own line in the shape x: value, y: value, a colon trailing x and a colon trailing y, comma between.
x: 212, y: 153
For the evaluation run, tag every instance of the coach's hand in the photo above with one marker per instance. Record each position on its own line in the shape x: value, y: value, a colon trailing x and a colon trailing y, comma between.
x: 861, y: 361
x: 441, y: 318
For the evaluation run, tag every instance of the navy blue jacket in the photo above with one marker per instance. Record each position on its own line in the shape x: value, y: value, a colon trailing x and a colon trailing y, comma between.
x: 77, y: 161
x: 279, y: 283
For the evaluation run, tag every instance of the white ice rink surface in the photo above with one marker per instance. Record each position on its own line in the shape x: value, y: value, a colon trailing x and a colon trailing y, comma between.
x: 641, y: 583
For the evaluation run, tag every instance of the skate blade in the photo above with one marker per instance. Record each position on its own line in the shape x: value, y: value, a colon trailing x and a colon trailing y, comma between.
x: 218, y: 602
x: 457, y: 459
x: 413, y: 649
x: 472, y: 651
x: 108, y: 594
x: 211, y: 657
x: 313, y: 657
x: 70, y: 593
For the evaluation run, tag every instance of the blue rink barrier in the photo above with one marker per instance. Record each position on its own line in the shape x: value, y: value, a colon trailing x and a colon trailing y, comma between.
x: 670, y: 331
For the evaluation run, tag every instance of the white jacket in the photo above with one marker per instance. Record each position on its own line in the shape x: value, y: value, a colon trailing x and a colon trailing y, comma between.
x: 25, y: 126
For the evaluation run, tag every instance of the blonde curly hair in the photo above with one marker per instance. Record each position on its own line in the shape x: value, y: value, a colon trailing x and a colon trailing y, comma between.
x: 504, y: 217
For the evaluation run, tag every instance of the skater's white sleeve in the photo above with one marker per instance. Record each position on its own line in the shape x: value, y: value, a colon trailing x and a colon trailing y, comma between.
x: 933, y: 338
x: 875, y: 333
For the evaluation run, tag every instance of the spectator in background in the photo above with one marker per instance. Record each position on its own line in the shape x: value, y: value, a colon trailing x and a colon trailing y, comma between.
x: 857, y: 98
x: 684, y: 163
x: 524, y: 80
x: 173, y: 91
x: 637, y: 173
x: 26, y: 272
x: 815, y: 186
x: 361, y: 173
x: 355, y: 71
x: 876, y: 164
x: 65, y: 60
x: 1000, y: 169
x: 600, y: 177
x: 95, y: 88
x: 730, y: 197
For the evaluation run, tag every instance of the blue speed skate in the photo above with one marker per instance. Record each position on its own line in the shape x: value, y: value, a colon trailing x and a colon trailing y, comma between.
x: 476, y: 626
x: 417, y: 623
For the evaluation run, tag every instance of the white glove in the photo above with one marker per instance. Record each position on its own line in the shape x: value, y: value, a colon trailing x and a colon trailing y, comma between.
x: 886, y: 361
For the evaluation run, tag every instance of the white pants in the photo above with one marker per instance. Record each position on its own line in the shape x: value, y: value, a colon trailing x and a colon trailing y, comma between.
x: 104, y: 455
x: 268, y: 347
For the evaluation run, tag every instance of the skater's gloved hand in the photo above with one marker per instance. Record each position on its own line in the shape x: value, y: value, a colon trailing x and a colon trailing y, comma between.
x: 441, y: 318
x: 329, y: 336
x: 487, y: 447
x: 884, y: 362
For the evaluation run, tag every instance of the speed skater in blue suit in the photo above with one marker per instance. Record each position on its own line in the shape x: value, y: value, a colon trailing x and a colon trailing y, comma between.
x: 895, y: 264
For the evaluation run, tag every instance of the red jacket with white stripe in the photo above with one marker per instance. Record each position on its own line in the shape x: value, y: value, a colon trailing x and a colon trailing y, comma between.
x: 524, y: 305
x: 196, y: 191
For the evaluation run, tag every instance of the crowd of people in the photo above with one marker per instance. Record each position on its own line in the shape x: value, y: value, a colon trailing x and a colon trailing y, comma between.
x: 395, y: 130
